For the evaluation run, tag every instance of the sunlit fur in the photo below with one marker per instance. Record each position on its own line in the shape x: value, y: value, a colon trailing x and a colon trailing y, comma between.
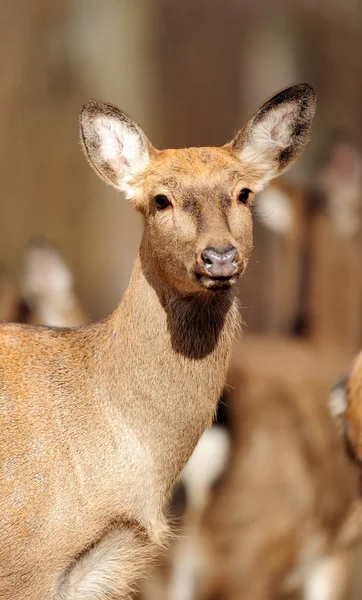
x: 97, y: 422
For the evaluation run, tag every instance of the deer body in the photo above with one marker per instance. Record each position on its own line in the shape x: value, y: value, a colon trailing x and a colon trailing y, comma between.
x: 287, y: 501
x: 98, y: 421
x: 94, y: 420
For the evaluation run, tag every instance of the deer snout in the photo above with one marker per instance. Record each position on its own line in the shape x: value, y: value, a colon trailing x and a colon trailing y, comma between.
x: 221, y: 262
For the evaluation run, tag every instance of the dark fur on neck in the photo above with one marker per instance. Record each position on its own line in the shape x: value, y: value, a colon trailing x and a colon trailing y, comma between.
x: 195, y: 321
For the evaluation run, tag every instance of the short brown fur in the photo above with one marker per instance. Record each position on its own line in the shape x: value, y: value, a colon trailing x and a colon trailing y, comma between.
x: 98, y: 421
x: 288, y: 497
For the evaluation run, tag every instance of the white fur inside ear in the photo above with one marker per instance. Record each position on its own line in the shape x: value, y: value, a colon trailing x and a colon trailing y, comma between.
x: 275, y: 209
x: 267, y: 138
x: 122, y: 149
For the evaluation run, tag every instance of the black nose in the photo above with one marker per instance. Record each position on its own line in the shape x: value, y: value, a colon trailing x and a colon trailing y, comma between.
x: 220, y: 262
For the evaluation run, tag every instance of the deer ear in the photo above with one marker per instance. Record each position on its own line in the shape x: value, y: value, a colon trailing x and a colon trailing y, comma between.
x: 114, y: 144
x: 275, y: 136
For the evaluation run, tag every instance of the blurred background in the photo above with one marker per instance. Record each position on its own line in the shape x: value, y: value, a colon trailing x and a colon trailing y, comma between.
x: 190, y: 72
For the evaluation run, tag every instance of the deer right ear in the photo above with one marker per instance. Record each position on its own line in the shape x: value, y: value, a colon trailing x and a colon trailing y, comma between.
x: 114, y: 144
x: 275, y: 136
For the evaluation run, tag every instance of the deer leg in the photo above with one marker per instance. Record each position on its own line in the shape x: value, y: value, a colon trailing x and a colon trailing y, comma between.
x: 109, y: 569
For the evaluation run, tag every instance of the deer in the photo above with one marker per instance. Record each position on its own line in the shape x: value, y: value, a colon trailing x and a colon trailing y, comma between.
x: 48, y: 287
x: 306, y: 235
x: 333, y: 251
x: 284, y: 516
x: 272, y: 287
x: 345, y: 407
x: 98, y: 421
x: 46, y: 293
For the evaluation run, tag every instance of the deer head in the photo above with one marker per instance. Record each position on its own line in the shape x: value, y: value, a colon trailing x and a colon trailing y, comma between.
x: 196, y: 201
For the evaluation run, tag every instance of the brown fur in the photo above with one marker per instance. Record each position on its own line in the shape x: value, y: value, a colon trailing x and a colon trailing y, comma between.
x: 98, y: 421
x: 287, y: 498
x: 353, y: 415
x: 10, y: 298
x: 272, y: 287
x: 334, y: 285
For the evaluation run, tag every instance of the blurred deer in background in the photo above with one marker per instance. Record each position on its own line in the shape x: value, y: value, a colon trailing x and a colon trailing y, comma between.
x: 108, y: 414
x: 48, y: 287
x: 272, y: 288
x: 307, y: 238
x: 46, y: 282
x: 345, y: 406
x: 334, y: 269
x: 271, y: 510
x: 284, y: 514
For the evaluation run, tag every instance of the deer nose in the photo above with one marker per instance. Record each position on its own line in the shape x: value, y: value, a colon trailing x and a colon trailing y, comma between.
x: 220, y: 262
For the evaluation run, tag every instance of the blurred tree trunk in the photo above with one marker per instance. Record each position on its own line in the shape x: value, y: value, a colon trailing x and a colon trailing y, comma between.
x: 199, y: 62
x: 332, y: 59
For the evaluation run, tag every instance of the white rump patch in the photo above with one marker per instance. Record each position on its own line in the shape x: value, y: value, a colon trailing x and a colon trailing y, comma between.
x: 275, y: 208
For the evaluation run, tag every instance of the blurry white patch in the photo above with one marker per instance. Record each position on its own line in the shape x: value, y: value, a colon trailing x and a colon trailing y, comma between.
x: 275, y: 209
x: 344, y: 211
x: 47, y: 285
x: 341, y: 182
x: 53, y: 315
x: 311, y: 554
x: 45, y: 272
x: 205, y: 465
x: 338, y: 401
x: 190, y: 563
x: 327, y: 580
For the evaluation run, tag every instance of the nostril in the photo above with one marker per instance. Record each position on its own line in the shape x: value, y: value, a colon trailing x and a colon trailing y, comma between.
x: 208, y: 256
x: 231, y: 254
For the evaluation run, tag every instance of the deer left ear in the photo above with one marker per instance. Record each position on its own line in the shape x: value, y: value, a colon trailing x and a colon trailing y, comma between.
x: 278, y: 132
x: 114, y: 145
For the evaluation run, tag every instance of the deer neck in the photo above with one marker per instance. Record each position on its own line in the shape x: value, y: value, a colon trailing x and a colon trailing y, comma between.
x: 169, y: 356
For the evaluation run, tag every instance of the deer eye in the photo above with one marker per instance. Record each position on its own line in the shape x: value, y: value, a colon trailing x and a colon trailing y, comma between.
x: 162, y: 201
x: 244, y: 195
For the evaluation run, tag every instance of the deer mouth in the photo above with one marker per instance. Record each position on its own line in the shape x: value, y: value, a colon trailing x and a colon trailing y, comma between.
x: 210, y: 282
x: 218, y: 281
